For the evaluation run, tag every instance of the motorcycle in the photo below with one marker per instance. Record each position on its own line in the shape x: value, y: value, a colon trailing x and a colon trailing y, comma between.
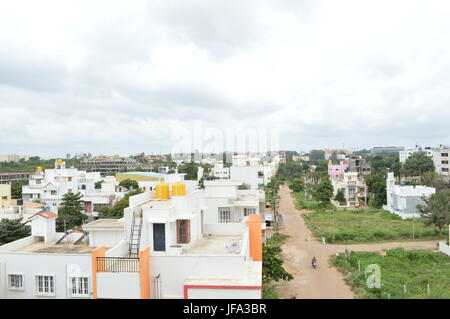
x: 314, y: 263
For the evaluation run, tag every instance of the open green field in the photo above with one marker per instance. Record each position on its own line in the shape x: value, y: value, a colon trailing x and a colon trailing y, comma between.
x: 309, y: 204
x: 365, y: 226
x: 421, y: 274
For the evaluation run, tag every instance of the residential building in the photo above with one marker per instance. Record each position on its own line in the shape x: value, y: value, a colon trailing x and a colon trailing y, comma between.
x: 358, y: 164
x: 218, y: 171
x: 167, y: 245
x: 441, y: 161
x: 109, y: 165
x: 403, y: 200
x: 8, y: 178
x: 353, y: 187
x: 386, y: 149
x: 337, y: 171
x: 407, y: 153
x: 51, y: 185
x: 5, y: 196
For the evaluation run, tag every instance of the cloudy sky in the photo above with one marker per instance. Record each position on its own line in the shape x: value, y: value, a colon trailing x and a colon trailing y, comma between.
x: 122, y: 77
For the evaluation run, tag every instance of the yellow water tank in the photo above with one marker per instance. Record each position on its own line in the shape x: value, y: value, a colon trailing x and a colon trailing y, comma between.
x: 178, y: 189
x: 60, y: 161
x: 162, y: 191
x: 39, y: 169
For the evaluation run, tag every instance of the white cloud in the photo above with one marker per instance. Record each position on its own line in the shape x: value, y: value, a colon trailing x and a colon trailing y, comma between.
x: 110, y: 77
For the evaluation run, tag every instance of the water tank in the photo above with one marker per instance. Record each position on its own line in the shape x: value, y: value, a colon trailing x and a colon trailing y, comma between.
x: 39, y: 169
x: 178, y: 189
x: 59, y: 162
x: 162, y: 191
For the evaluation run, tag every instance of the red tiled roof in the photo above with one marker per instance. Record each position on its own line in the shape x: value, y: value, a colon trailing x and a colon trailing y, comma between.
x: 46, y: 214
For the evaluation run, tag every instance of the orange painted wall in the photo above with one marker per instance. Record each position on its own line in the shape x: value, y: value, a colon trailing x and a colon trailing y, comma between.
x: 97, y: 252
x: 255, y: 235
x: 144, y: 272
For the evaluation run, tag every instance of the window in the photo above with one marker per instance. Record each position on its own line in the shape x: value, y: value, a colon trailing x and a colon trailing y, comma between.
x: 249, y: 211
x: 45, y: 285
x: 444, y: 154
x: 79, y: 286
x: 53, y: 193
x: 444, y: 162
x: 15, y: 281
x: 183, y: 232
x: 83, y: 186
x: 69, y: 179
x: 224, y: 215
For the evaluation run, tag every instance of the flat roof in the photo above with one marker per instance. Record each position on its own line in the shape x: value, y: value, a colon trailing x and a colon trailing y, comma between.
x: 213, y: 245
x: 112, y: 224
x: 52, y: 248
x: 146, y: 174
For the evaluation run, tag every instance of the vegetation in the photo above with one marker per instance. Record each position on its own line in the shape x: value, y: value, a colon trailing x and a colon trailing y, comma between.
x: 70, y: 213
x: 116, y: 212
x: 16, y: 189
x: 98, y: 185
x: 417, y: 165
x: 405, y: 274
x: 244, y: 187
x: 324, y: 191
x: 376, y: 185
x: 316, y: 155
x: 360, y: 226
x: 340, y: 196
x: 297, y: 185
x: 302, y: 203
x: 272, y: 268
x: 433, y: 179
x: 271, y: 190
x: 11, y: 230
x: 436, y: 210
x: 129, y: 184
x: 289, y: 171
x: 29, y: 166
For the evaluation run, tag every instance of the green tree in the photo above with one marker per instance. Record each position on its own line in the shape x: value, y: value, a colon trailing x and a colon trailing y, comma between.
x: 129, y: 184
x: 417, y: 165
x: 297, y: 185
x: 190, y: 169
x: 98, y: 185
x: 436, y: 210
x: 316, y: 155
x: 70, y: 213
x: 272, y: 266
x: 16, y: 189
x: 116, y: 211
x: 433, y: 179
x: 376, y: 185
x: 244, y: 187
x: 340, y: 196
x: 324, y: 191
x: 11, y: 230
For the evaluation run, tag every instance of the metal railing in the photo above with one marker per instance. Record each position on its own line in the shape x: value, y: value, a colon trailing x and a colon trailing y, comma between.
x: 117, y: 264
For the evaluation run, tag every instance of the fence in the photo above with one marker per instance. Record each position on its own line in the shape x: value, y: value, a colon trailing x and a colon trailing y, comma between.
x: 117, y: 264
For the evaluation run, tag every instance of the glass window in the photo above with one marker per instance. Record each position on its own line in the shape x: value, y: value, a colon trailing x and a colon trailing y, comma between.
x: 15, y: 281
x: 249, y: 211
x: 79, y: 286
x: 225, y: 215
x: 45, y: 285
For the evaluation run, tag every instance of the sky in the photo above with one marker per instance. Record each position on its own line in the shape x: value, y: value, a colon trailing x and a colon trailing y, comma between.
x: 116, y: 77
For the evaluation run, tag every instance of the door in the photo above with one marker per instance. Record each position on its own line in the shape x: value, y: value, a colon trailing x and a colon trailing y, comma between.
x: 159, y: 237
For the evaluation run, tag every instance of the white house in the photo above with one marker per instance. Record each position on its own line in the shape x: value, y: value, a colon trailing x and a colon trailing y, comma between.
x: 403, y: 200
x: 51, y: 185
x: 163, y: 247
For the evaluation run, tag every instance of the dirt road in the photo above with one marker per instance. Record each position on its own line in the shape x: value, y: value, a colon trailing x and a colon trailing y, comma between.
x: 325, y: 282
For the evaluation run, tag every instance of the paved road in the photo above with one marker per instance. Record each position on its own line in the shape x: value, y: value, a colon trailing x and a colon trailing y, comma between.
x: 325, y: 282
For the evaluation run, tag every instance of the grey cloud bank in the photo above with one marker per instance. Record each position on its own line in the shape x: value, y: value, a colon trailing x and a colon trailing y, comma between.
x: 106, y: 77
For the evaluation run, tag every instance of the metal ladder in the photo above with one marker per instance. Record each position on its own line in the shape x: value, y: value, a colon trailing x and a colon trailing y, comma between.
x: 135, y: 235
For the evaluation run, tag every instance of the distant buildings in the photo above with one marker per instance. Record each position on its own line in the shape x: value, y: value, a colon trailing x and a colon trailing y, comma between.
x: 13, y: 157
x: 108, y: 165
x: 51, y: 185
x: 439, y: 155
x: 386, y: 149
x: 403, y: 200
x: 8, y: 178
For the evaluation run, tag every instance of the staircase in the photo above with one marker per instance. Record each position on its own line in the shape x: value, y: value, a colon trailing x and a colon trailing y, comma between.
x: 135, y: 235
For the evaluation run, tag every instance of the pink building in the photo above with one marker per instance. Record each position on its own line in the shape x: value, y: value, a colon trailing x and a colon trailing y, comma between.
x: 337, y: 171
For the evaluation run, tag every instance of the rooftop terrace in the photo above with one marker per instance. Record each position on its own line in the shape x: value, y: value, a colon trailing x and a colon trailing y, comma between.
x: 213, y: 245
x: 52, y: 248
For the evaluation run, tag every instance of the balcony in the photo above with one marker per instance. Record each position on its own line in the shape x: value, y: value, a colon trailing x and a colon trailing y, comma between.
x: 117, y: 264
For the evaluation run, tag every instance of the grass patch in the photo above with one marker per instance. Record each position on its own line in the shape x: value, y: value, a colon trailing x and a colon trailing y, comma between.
x: 277, y: 239
x: 309, y: 204
x: 364, y: 226
x: 415, y: 269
